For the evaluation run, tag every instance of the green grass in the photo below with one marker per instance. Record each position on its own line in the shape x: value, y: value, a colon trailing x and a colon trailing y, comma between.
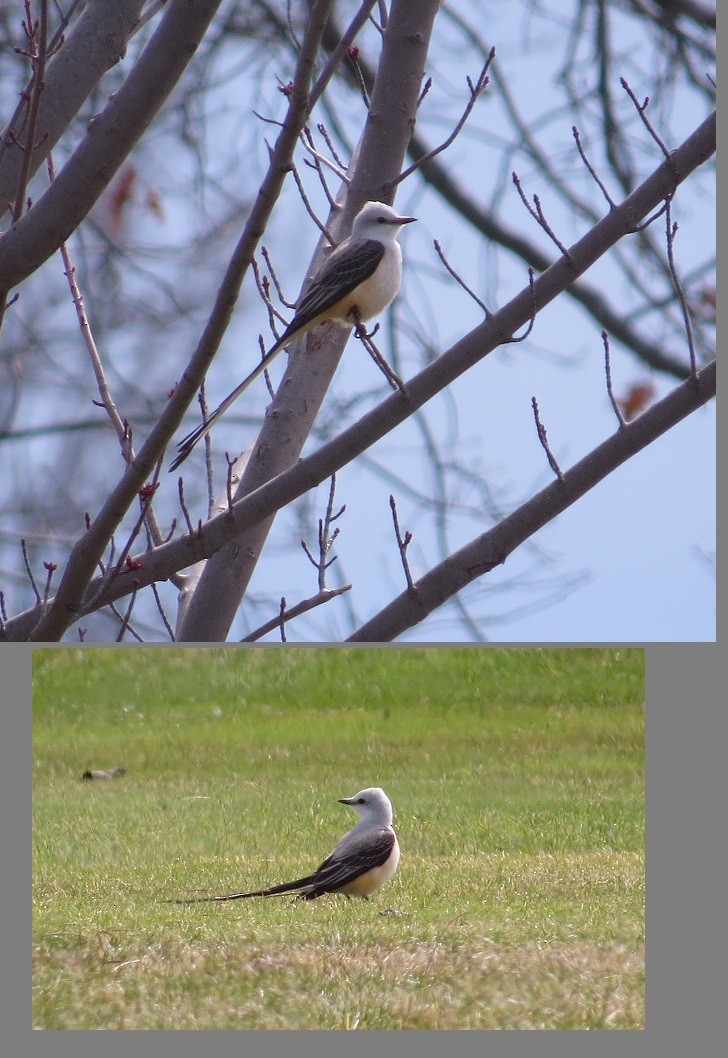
x: 517, y: 781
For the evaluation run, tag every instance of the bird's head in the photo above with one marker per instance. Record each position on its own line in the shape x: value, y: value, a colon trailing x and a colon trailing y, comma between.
x: 372, y: 805
x: 377, y: 220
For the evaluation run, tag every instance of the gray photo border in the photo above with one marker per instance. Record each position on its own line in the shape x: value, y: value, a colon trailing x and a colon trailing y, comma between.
x: 685, y: 901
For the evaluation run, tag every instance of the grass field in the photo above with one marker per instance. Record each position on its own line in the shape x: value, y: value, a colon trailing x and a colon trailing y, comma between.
x: 517, y: 783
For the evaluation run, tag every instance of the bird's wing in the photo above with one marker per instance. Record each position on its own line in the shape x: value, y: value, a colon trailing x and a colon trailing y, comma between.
x: 371, y: 850
x: 340, y: 275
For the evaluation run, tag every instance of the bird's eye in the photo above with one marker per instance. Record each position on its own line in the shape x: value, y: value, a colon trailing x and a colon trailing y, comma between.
x: 362, y: 801
x: 381, y: 220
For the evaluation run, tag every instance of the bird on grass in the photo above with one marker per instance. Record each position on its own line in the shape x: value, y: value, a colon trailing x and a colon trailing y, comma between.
x: 366, y: 857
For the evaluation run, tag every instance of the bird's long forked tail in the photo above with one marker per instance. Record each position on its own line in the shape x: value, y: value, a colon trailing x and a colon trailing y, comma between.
x: 273, y: 890
x: 188, y: 443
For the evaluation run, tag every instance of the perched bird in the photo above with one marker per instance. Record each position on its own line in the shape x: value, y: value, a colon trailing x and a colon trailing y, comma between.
x: 365, y: 858
x: 357, y: 282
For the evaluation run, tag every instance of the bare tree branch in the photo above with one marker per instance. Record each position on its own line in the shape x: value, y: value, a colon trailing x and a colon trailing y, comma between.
x: 94, y: 45
x: 492, y: 549
x: 108, y: 141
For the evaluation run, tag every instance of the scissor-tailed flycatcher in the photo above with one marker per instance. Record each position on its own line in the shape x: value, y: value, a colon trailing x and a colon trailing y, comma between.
x: 357, y: 282
x: 365, y: 858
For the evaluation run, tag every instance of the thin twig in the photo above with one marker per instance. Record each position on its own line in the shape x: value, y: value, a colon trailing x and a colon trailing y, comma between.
x: 458, y: 279
x: 671, y: 231
x: 125, y: 620
x: 183, y: 505
x: 403, y: 543
x: 608, y: 373
x: 539, y: 216
x: 318, y: 164
x: 295, y: 611
x: 29, y: 571
x: 592, y: 170
x: 365, y: 337
x: 270, y: 121
x: 309, y: 208
x: 541, y: 430
x: 425, y: 89
x: 475, y: 91
x: 162, y: 614
x: 353, y: 57
x: 146, y: 495
x: 332, y: 150
x: 651, y: 219
x: 37, y: 34
x: 266, y: 374
x: 107, y: 401
x: 641, y: 109
x: 121, y: 427
x: 63, y: 20
x: 325, y: 537
x: 112, y: 556
x: 277, y: 284
x: 338, y: 54
x: 263, y: 287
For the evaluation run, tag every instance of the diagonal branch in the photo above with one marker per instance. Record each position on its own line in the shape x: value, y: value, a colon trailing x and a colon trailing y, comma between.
x: 80, y: 59
x: 490, y: 550
x: 108, y: 141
